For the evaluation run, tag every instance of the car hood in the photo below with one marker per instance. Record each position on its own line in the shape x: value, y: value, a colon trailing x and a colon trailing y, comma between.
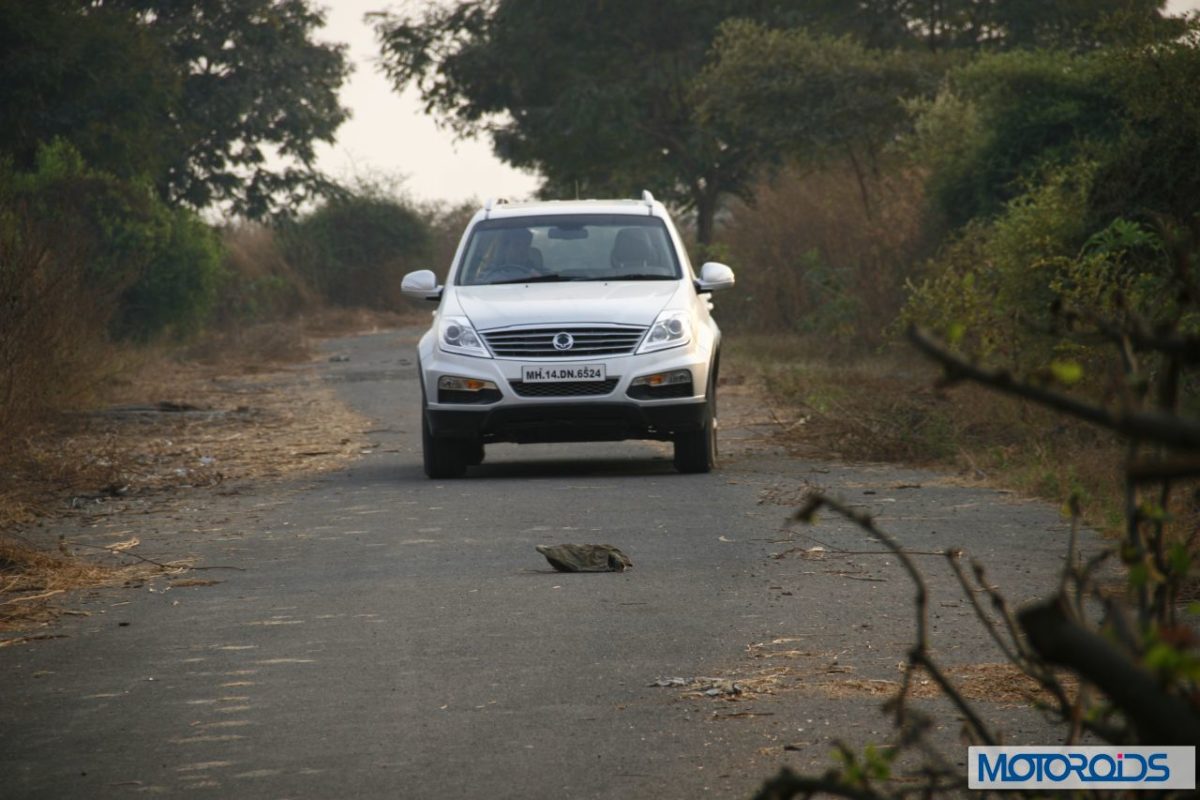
x: 621, y: 303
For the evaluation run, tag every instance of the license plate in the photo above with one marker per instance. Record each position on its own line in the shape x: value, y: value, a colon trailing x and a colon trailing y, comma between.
x: 555, y: 373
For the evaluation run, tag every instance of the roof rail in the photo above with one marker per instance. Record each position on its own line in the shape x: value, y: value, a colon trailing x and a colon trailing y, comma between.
x: 491, y: 203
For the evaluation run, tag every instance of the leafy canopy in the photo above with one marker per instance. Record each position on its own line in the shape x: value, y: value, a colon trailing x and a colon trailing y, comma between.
x: 593, y: 95
x: 792, y: 94
x: 194, y: 96
x: 979, y: 24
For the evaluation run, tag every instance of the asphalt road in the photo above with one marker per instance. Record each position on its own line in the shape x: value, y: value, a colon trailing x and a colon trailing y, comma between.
x: 389, y: 636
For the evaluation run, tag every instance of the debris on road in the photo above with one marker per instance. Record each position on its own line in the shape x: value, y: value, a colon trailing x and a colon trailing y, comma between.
x: 585, y: 557
x: 708, y: 687
x: 662, y: 682
x: 807, y: 553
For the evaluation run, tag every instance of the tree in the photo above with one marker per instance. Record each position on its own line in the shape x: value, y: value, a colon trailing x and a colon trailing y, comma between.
x: 94, y: 79
x: 1155, y: 167
x: 193, y: 96
x: 252, y: 82
x: 593, y: 95
x: 979, y: 24
x: 1002, y: 119
x: 796, y: 95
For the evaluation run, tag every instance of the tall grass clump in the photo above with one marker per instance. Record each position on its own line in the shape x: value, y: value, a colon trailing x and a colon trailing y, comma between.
x: 259, y: 283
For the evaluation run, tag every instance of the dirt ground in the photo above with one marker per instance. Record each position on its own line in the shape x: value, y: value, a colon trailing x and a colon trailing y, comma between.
x: 229, y: 410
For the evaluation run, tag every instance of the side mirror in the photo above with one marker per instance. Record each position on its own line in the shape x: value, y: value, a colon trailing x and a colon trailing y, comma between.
x: 713, y: 276
x: 423, y: 284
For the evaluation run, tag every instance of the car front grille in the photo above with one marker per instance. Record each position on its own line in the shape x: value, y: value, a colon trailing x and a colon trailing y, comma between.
x: 594, y: 340
x: 564, y: 388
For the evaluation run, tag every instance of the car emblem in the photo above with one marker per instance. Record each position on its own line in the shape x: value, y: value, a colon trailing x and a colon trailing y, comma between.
x: 563, y: 341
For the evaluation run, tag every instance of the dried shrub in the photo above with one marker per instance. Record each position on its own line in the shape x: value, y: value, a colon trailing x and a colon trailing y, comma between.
x: 260, y: 283
x: 813, y: 258
x: 53, y: 326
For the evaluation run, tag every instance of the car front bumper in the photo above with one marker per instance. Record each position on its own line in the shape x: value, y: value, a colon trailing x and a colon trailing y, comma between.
x: 611, y: 416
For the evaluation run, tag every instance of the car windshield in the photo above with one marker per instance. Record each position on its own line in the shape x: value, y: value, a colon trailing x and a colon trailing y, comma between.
x: 575, y: 247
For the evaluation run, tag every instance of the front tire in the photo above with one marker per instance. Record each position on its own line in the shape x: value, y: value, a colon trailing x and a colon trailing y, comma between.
x: 696, y: 451
x: 444, y: 458
x: 473, y: 453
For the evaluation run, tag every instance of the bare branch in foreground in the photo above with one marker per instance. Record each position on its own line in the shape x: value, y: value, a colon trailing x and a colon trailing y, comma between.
x: 1164, y: 429
x: 1159, y: 718
x: 919, y: 654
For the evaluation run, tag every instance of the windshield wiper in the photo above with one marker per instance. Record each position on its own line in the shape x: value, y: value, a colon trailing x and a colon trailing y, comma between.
x: 635, y: 276
x: 531, y: 279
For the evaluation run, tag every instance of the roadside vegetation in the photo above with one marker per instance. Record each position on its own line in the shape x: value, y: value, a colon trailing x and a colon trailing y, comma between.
x: 162, y: 229
x: 1032, y: 193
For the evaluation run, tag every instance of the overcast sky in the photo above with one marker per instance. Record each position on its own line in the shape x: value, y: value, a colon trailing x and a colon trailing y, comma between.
x: 389, y: 134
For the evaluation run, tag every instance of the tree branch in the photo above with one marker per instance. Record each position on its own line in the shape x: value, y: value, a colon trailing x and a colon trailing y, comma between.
x: 1163, y: 429
x: 1159, y: 718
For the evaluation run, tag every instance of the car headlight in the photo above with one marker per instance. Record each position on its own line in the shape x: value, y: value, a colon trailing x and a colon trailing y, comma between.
x: 456, y: 335
x: 671, y: 329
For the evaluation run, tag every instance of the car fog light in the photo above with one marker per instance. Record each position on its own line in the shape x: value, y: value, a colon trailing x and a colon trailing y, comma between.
x: 454, y: 384
x: 671, y: 378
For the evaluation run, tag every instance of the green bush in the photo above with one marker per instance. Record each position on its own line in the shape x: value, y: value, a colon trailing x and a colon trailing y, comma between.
x: 114, y: 225
x: 177, y: 288
x: 355, y: 248
x: 990, y: 290
x: 1059, y: 169
x: 1004, y: 118
x: 161, y: 265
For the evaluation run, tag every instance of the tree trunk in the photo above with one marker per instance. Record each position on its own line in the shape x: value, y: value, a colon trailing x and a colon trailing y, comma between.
x: 706, y: 212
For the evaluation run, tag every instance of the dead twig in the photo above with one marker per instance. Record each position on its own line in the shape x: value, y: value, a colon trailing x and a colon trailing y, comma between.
x: 919, y: 654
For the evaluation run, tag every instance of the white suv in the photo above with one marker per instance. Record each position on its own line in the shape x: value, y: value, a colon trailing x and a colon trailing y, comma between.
x: 574, y: 321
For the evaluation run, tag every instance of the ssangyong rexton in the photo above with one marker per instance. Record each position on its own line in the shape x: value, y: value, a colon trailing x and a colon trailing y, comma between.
x: 573, y: 321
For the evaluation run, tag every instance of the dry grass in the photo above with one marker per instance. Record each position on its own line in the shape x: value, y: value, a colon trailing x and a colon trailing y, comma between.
x: 31, y: 579
x: 260, y: 284
x: 171, y: 425
x: 256, y: 348
x: 785, y: 666
x: 1001, y: 684
x: 264, y: 346
x: 330, y: 322
x: 884, y: 408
